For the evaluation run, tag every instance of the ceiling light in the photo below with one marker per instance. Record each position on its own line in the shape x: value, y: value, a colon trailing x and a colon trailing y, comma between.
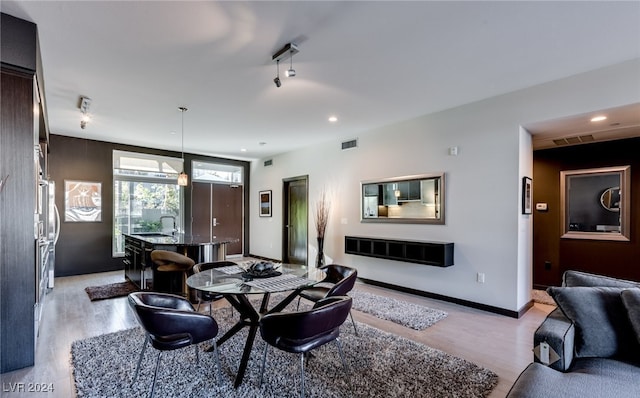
x: 285, y: 52
x: 333, y: 119
x: 183, y: 178
x: 85, y: 102
x: 276, y: 80
x: 243, y: 149
x: 291, y: 72
x: 598, y: 118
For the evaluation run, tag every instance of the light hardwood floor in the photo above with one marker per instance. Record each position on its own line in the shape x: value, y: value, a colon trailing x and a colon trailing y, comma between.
x: 496, y: 342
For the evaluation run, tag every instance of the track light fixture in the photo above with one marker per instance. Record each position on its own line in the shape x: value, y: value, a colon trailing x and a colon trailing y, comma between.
x: 276, y: 80
x: 85, y: 102
x: 285, y: 52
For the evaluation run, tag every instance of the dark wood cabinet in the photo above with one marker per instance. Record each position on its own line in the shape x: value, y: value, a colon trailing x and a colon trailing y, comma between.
x: 439, y: 254
x: 18, y: 245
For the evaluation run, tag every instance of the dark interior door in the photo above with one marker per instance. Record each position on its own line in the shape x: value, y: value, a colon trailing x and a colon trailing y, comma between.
x: 227, y: 215
x: 216, y: 212
x: 295, y: 221
x: 201, y: 219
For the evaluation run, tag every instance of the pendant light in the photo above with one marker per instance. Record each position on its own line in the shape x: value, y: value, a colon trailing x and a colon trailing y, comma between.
x: 183, y: 178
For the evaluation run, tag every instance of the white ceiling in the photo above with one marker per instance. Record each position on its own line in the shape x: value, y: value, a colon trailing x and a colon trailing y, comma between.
x: 369, y: 63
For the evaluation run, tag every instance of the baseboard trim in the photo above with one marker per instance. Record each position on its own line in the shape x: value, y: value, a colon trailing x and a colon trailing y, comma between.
x: 273, y: 260
x: 466, y: 303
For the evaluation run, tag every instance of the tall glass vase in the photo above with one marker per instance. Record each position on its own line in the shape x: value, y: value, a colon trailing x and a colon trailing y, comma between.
x: 320, y: 258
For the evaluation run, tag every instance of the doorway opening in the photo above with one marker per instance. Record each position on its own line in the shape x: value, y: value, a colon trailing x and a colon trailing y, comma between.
x: 295, y: 233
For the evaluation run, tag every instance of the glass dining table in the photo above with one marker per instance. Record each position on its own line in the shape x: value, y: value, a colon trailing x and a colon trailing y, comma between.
x: 237, y: 285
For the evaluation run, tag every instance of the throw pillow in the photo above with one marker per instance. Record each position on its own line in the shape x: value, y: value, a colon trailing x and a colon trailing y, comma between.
x: 602, y: 325
x: 631, y: 301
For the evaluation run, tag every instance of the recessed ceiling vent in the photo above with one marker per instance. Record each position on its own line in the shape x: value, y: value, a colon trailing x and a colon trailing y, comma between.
x: 268, y: 162
x: 579, y: 139
x: 350, y: 144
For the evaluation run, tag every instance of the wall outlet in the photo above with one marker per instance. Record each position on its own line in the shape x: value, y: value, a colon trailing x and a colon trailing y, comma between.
x: 480, y: 277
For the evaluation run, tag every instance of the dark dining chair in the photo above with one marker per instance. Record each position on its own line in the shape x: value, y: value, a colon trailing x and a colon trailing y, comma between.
x: 338, y: 281
x: 208, y: 297
x: 170, y: 323
x: 302, y: 331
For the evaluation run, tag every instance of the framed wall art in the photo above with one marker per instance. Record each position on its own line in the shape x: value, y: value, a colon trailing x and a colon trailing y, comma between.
x: 265, y: 203
x: 82, y: 201
x: 527, y: 196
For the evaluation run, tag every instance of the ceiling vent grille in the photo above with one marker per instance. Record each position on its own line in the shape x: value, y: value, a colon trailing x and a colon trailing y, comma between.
x: 579, y: 139
x: 268, y: 162
x: 350, y: 144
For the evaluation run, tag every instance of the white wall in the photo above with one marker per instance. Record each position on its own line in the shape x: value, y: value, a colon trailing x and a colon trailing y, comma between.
x: 483, y: 215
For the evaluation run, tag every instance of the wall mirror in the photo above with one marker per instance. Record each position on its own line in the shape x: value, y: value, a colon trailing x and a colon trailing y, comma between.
x: 408, y: 199
x: 595, y: 203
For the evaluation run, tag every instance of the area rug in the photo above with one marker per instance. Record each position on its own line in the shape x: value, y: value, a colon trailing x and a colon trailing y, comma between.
x: 110, y: 291
x: 542, y: 297
x: 411, y: 315
x: 401, y: 312
x: 380, y: 365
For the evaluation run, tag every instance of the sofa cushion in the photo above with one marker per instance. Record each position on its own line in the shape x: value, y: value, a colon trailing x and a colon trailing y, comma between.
x: 578, y: 278
x: 631, y: 301
x: 602, y: 325
x: 589, y: 377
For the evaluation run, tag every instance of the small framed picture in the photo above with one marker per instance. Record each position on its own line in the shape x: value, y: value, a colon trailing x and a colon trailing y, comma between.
x: 265, y: 203
x: 527, y: 196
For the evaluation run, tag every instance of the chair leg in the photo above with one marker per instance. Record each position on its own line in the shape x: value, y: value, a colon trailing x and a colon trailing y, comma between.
x: 144, y: 347
x: 264, y: 360
x: 344, y: 362
x: 155, y: 375
x: 354, y: 323
x: 298, y: 306
x: 302, y: 374
x: 217, y: 358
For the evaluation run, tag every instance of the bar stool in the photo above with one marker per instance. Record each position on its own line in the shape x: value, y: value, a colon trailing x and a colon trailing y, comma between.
x: 172, y: 262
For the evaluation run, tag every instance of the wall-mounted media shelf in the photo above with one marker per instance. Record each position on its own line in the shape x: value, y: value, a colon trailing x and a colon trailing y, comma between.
x: 439, y: 254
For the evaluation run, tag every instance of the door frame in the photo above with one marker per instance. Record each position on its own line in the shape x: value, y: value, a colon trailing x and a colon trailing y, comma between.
x: 285, y: 214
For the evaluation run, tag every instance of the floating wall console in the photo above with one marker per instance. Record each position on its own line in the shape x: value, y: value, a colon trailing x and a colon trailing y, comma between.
x: 439, y: 254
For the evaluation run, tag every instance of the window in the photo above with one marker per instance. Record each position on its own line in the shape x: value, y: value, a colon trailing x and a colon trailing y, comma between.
x: 216, y: 172
x: 595, y: 203
x: 146, y: 196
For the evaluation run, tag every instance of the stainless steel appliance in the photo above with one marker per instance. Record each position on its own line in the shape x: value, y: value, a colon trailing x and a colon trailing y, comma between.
x: 46, y: 232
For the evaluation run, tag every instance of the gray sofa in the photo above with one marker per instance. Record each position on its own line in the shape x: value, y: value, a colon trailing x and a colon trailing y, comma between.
x: 595, y: 332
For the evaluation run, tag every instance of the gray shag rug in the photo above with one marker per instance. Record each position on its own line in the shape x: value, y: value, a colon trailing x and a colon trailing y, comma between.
x: 411, y: 315
x: 110, y: 291
x: 407, y: 314
x: 380, y: 364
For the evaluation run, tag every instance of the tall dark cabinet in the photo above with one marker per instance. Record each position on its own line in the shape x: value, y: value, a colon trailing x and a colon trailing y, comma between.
x: 18, y: 136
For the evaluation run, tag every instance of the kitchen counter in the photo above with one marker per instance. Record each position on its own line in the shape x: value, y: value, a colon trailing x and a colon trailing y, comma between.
x: 179, y: 239
x: 138, y: 267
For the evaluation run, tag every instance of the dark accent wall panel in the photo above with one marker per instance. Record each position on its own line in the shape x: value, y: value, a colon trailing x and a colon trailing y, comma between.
x: 17, y: 205
x: 85, y: 248
x: 612, y: 258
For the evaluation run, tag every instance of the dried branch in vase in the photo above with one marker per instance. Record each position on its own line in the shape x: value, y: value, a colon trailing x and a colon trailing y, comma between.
x: 322, y: 214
